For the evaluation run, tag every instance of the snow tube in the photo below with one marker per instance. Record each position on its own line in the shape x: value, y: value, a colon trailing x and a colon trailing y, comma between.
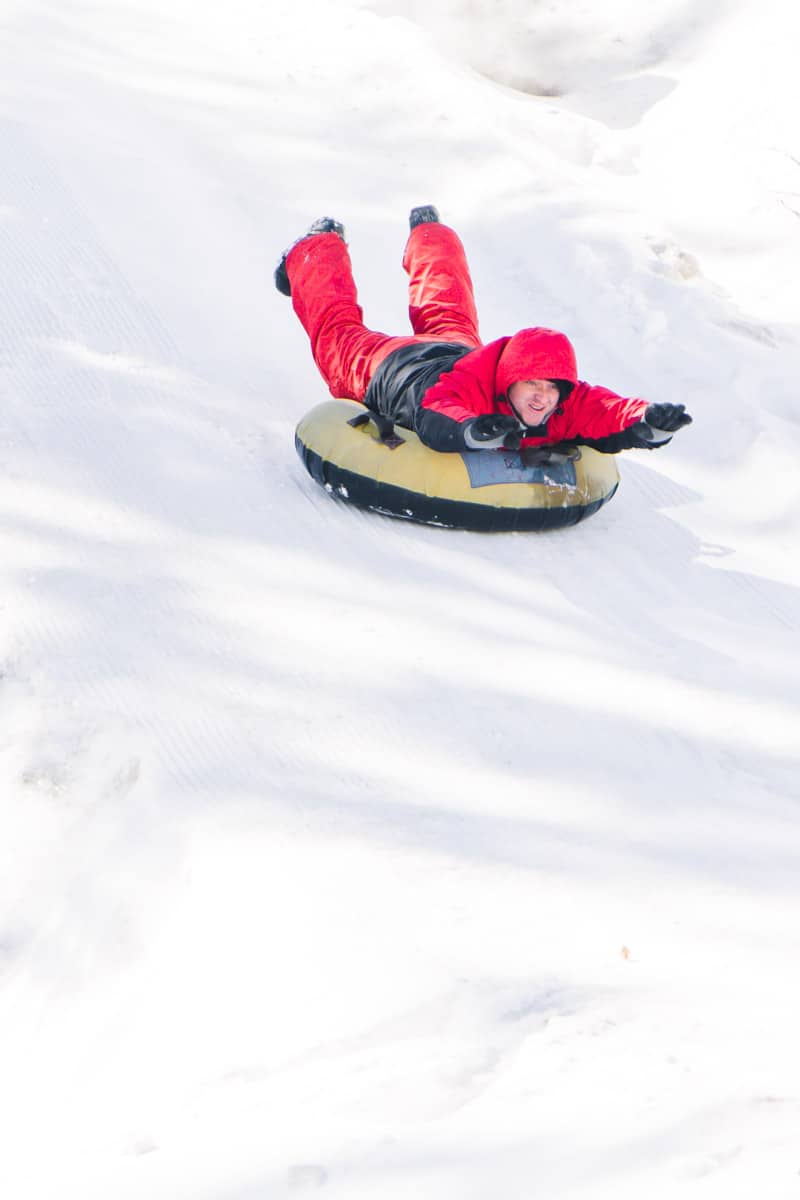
x: 359, y: 457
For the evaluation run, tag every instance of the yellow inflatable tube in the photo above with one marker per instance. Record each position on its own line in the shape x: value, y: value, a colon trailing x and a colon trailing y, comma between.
x: 389, y: 471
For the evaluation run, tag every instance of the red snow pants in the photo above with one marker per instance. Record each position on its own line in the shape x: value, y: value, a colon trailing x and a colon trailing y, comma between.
x: 441, y: 304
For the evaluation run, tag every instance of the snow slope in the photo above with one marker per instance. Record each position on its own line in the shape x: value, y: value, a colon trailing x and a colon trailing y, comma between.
x: 341, y: 855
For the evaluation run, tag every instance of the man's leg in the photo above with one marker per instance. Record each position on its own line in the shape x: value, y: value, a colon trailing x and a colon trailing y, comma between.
x: 440, y: 301
x: 325, y: 299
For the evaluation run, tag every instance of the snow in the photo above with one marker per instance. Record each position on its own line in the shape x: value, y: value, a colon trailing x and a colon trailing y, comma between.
x: 342, y: 855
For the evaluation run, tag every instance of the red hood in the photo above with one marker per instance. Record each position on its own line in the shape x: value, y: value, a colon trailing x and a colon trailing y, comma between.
x: 536, y: 354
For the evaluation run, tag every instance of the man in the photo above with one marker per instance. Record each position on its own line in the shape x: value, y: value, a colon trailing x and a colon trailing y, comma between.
x: 442, y: 382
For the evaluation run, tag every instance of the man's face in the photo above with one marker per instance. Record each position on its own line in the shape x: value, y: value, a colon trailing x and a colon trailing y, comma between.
x: 534, y: 400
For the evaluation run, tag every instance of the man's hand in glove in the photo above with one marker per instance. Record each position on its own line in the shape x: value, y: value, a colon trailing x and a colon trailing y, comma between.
x: 494, y: 431
x: 662, y: 420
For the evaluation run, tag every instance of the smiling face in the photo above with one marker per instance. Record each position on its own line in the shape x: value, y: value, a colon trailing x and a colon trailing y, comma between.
x: 533, y: 400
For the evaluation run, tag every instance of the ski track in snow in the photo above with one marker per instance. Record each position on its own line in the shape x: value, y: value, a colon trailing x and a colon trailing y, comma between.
x: 341, y: 855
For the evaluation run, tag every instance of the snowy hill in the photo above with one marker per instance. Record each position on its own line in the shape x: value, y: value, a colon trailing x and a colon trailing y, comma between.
x: 346, y: 856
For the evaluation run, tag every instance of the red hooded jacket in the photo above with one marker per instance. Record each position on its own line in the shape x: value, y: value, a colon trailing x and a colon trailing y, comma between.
x: 478, y: 383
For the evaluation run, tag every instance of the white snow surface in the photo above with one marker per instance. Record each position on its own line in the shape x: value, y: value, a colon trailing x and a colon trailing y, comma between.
x: 347, y: 856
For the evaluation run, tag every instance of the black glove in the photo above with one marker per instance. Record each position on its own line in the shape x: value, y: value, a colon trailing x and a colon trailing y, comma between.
x: 659, y: 424
x: 667, y: 417
x: 494, y: 431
